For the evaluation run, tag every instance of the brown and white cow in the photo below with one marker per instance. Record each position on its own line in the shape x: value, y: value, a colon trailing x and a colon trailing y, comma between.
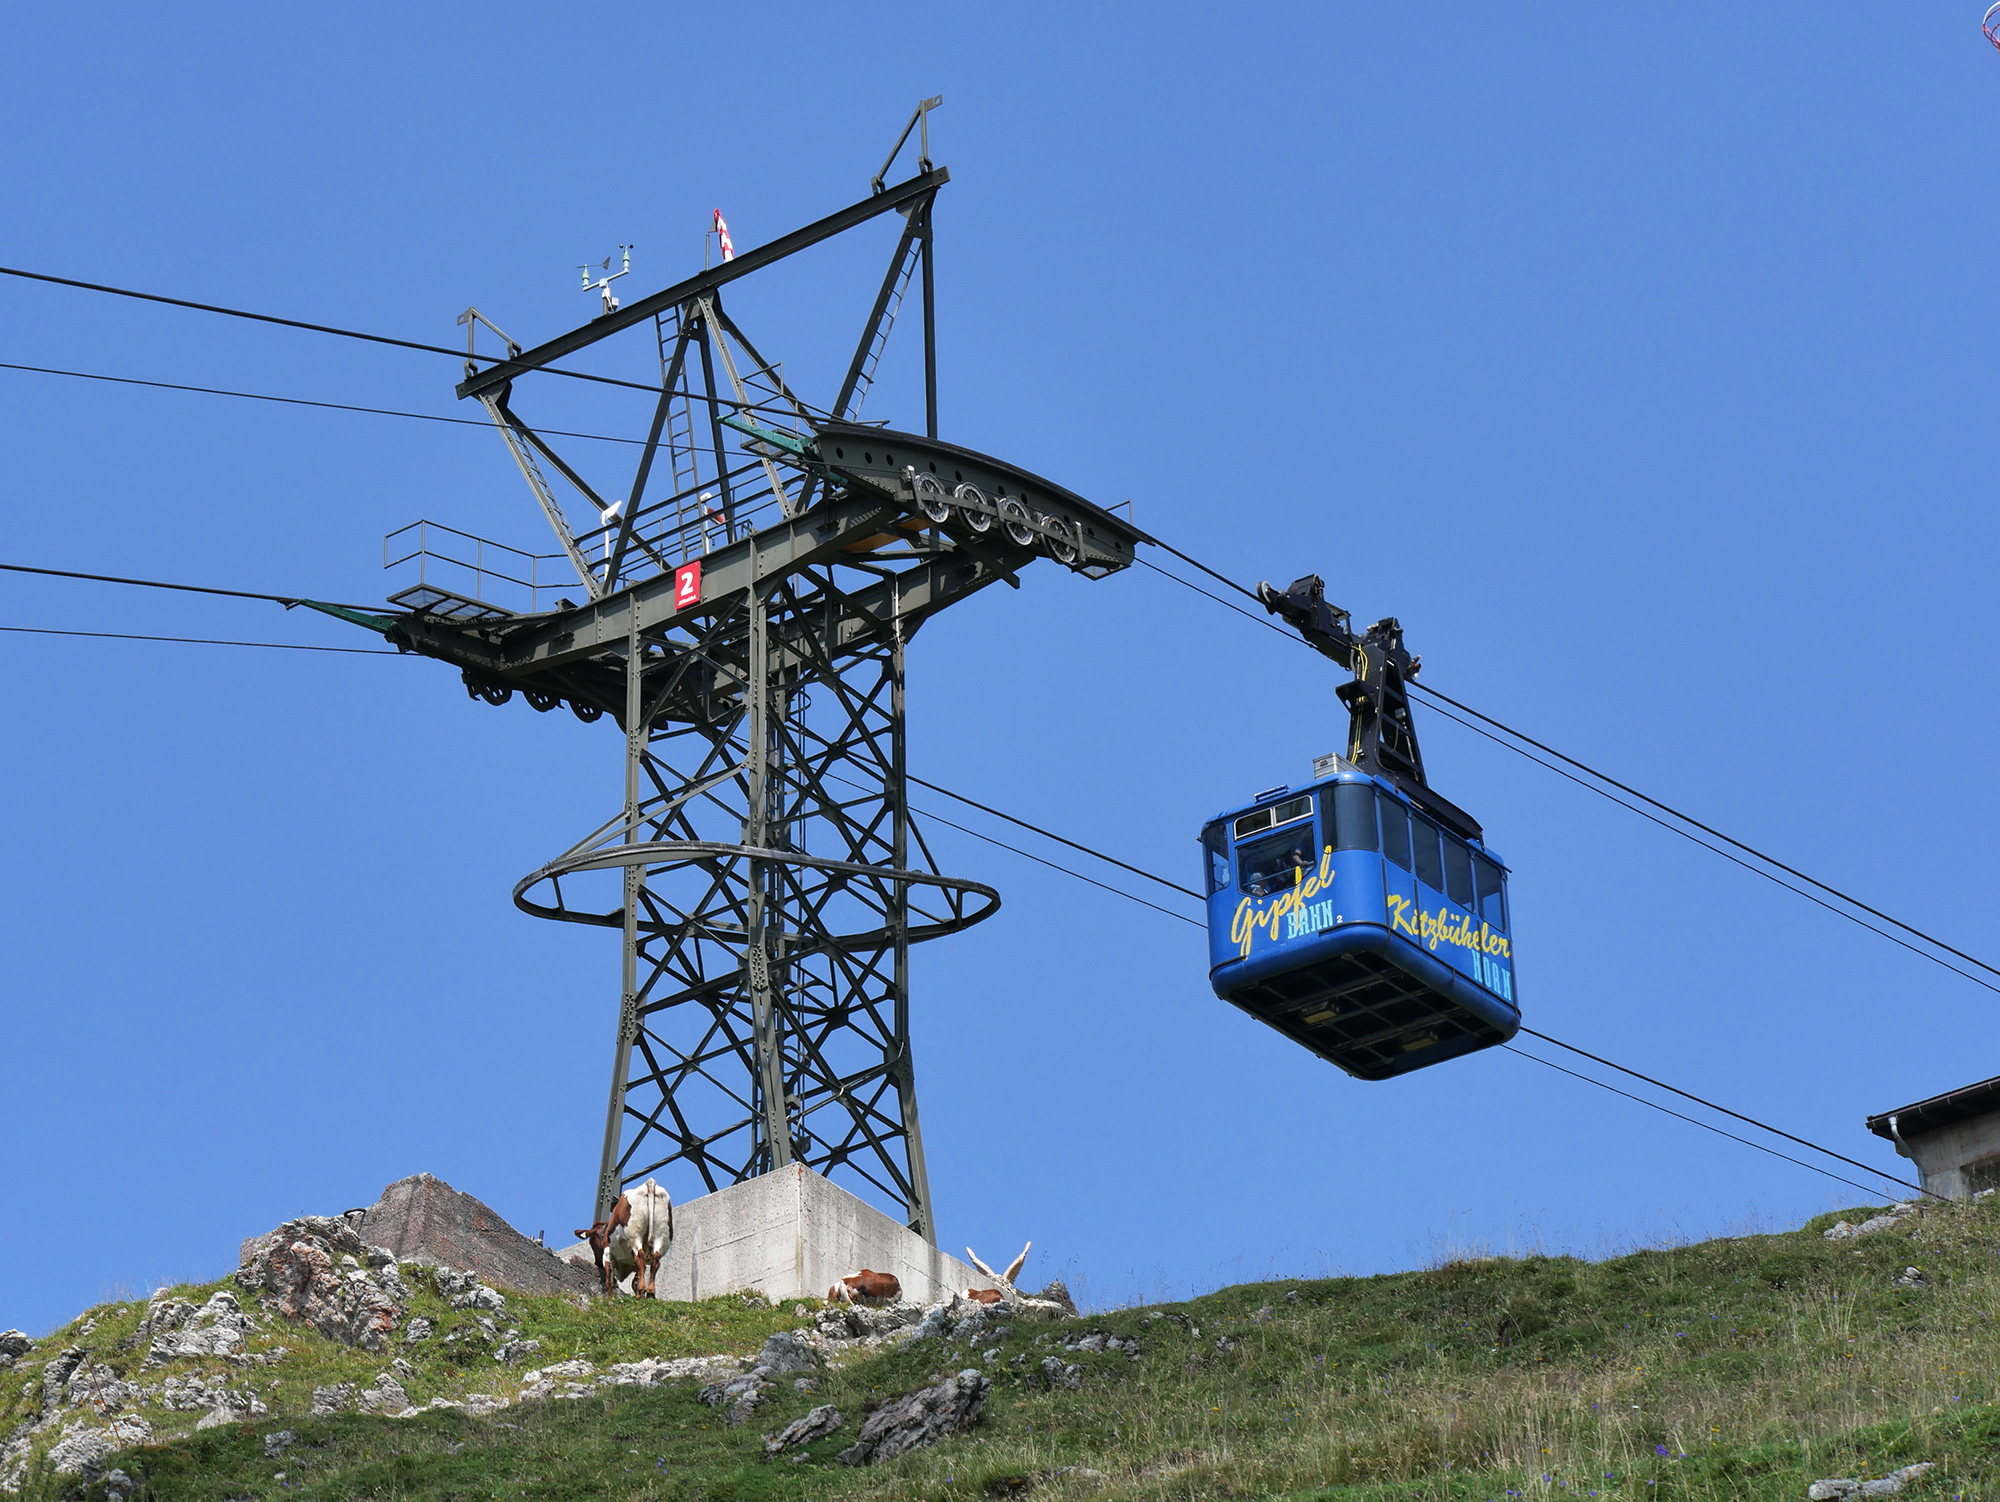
x: 865, y: 1285
x: 599, y: 1236
x: 643, y: 1242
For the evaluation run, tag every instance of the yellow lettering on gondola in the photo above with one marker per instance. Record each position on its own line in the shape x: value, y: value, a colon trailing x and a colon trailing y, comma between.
x: 1444, y: 926
x: 1251, y: 916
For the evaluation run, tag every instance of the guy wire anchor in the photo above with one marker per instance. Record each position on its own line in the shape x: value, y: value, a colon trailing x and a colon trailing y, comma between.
x: 602, y: 286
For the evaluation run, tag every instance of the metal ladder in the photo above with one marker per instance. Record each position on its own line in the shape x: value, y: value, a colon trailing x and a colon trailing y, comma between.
x: 866, y: 379
x: 681, y: 452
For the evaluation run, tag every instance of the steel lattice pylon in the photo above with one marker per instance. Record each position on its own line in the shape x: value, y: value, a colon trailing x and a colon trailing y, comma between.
x: 770, y: 905
x: 748, y: 633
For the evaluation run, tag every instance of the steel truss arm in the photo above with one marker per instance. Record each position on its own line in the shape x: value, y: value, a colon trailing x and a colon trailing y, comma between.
x: 519, y: 438
x: 669, y: 388
x: 707, y: 282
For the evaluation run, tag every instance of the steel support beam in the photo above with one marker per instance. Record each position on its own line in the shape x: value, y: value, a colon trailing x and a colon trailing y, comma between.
x: 705, y: 283
x: 608, y: 1187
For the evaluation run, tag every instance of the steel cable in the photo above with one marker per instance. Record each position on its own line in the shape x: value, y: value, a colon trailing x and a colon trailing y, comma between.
x: 1074, y: 874
x: 194, y: 589
x: 313, y: 328
x: 300, y: 401
x: 1612, y: 782
x: 207, y: 641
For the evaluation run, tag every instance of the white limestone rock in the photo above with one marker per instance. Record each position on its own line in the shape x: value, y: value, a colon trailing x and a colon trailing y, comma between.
x: 338, y: 1398
x: 920, y: 1418
x: 1842, y: 1231
x: 819, y: 1423
x: 789, y: 1351
x: 386, y: 1396
x: 1886, y: 1486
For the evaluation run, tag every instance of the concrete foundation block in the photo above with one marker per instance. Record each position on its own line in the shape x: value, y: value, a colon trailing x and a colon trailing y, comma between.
x: 792, y: 1235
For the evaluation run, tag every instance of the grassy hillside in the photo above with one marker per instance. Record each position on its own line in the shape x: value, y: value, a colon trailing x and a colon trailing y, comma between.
x: 1740, y: 1368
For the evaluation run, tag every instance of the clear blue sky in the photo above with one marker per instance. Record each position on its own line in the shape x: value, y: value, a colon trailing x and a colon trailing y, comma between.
x: 1640, y: 362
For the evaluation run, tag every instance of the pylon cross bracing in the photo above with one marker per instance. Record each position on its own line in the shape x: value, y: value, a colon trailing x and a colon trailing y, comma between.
x: 748, y: 632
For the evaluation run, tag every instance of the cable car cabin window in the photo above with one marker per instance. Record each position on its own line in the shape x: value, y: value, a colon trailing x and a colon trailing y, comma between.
x: 1215, y: 847
x: 1492, y: 902
x: 1281, y: 813
x: 1353, y: 810
x: 1429, y: 868
x: 1457, y: 872
x: 1396, y: 832
x: 1277, y: 861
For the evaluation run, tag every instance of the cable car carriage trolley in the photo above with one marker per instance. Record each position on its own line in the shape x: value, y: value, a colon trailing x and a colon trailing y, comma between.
x: 1361, y: 915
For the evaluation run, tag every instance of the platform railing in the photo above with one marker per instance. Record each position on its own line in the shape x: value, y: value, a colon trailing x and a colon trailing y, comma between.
x: 465, y: 577
x: 680, y: 528
x: 455, y: 574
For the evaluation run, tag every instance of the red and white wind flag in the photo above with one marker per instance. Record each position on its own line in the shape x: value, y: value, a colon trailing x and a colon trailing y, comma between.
x: 722, y: 233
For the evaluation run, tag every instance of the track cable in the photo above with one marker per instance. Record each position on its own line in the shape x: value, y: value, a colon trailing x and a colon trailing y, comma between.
x: 1075, y: 874
x: 1609, y: 782
x: 1507, y: 730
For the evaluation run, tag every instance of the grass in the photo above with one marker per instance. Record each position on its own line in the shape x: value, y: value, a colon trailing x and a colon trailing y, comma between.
x: 1741, y: 1369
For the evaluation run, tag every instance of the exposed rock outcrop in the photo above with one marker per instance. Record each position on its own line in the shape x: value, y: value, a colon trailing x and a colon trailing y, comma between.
x: 739, y: 1396
x: 293, y: 1270
x: 921, y: 1418
x: 788, y: 1351
x: 652, y: 1370
x: 175, y: 1328
x: 1886, y: 1486
x: 822, y: 1421
x: 1057, y: 1293
x: 1894, y: 1216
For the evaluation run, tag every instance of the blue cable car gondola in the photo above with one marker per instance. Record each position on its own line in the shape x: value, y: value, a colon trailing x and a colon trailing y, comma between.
x: 1361, y: 915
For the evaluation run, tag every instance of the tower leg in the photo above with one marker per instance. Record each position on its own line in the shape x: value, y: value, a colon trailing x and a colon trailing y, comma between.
x: 759, y: 831
x: 775, y: 884
x: 918, y: 1204
x: 635, y: 880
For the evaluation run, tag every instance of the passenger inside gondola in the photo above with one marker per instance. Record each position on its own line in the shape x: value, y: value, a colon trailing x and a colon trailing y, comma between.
x: 1278, y: 861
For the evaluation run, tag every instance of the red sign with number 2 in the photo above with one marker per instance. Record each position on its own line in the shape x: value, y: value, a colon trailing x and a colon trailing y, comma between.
x: 687, y: 585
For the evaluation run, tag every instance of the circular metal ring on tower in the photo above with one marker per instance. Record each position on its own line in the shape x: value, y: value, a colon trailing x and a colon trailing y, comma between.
x: 1058, y: 539
x: 931, y: 499
x: 585, y: 712
x: 671, y: 853
x: 539, y: 701
x: 495, y: 693
x: 1014, y: 517
x: 978, y: 510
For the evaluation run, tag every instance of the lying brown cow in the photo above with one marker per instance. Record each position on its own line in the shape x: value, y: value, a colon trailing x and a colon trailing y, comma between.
x: 1005, y: 1280
x: 865, y: 1285
x: 599, y: 1237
